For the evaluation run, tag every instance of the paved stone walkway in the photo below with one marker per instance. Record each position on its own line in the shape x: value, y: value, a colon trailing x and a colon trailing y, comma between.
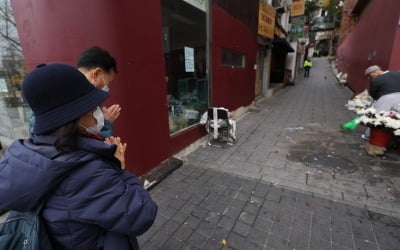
x: 293, y: 180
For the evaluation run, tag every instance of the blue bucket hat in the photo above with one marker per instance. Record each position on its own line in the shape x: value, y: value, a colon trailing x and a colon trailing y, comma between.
x: 59, y: 94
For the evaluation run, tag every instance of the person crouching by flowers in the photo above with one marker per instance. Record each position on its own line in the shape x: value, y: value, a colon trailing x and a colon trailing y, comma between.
x: 89, y: 197
x: 383, y: 88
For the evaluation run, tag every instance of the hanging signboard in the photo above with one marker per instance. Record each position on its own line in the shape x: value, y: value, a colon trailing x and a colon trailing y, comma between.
x: 297, y: 27
x: 298, y: 8
x: 298, y: 19
x: 266, y: 19
x: 296, y: 31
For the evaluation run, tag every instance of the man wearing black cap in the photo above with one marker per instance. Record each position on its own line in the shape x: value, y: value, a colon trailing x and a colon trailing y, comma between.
x: 382, y: 82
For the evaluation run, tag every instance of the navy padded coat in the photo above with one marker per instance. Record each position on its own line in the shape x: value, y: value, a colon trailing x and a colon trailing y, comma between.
x: 90, y: 195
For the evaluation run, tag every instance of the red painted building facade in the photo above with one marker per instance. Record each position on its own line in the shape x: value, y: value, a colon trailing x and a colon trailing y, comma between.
x: 140, y: 35
x: 375, y: 39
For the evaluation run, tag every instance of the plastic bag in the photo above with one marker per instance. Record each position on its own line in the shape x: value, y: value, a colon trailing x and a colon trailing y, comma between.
x: 351, y: 125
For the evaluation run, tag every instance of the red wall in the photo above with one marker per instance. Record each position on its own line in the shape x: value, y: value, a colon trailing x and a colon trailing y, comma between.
x: 232, y: 87
x: 57, y: 31
x: 376, y: 31
x: 395, y: 60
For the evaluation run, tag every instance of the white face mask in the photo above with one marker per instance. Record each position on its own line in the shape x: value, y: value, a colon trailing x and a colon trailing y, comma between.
x: 98, y: 115
x: 106, y: 88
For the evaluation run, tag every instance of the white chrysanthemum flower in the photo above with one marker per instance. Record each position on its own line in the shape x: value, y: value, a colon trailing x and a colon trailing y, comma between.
x: 377, y: 122
x: 365, y: 120
x: 396, y: 124
x: 359, y: 102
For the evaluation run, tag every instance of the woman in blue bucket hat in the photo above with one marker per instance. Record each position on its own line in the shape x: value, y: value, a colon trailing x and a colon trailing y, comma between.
x: 90, y: 198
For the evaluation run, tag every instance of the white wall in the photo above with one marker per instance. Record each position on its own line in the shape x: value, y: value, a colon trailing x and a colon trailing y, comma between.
x: 291, y: 59
x: 267, y: 71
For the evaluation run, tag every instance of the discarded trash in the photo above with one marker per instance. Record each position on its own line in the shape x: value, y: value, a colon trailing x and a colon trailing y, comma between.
x: 351, y: 125
x: 147, y: 184
x: 296, y: 128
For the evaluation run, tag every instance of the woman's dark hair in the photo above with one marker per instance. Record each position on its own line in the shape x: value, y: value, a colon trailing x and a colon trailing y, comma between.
x: 66, y: 136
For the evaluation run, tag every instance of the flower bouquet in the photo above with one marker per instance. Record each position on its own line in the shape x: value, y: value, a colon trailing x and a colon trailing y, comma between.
x: 357, y: 104
x: 360, y: 102
x: 381, y: 120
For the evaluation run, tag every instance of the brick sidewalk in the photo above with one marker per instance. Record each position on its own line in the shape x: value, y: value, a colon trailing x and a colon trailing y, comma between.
x: 199, y: 208
x: 293, y: 180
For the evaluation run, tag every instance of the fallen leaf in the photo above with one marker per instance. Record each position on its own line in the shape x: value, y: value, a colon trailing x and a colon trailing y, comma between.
x: 223, y: 243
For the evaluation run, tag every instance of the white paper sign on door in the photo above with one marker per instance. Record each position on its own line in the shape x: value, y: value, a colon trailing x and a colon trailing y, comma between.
x: 189, y: 59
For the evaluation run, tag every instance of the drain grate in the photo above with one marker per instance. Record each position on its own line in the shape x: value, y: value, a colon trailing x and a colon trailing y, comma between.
x: 329, y: 162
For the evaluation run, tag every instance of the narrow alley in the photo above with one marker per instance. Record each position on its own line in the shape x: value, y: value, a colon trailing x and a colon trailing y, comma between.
x: 293, y: 180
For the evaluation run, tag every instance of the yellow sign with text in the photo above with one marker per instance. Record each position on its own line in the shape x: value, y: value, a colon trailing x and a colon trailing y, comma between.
x: 298, y: 8
x: 266, y: 20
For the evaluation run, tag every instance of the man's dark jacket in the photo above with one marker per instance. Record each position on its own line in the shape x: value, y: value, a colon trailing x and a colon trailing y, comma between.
x: 384, y: 84
x: 89, y: 194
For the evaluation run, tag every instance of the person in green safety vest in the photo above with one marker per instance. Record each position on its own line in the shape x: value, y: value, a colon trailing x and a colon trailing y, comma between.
x: 307, y: 66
